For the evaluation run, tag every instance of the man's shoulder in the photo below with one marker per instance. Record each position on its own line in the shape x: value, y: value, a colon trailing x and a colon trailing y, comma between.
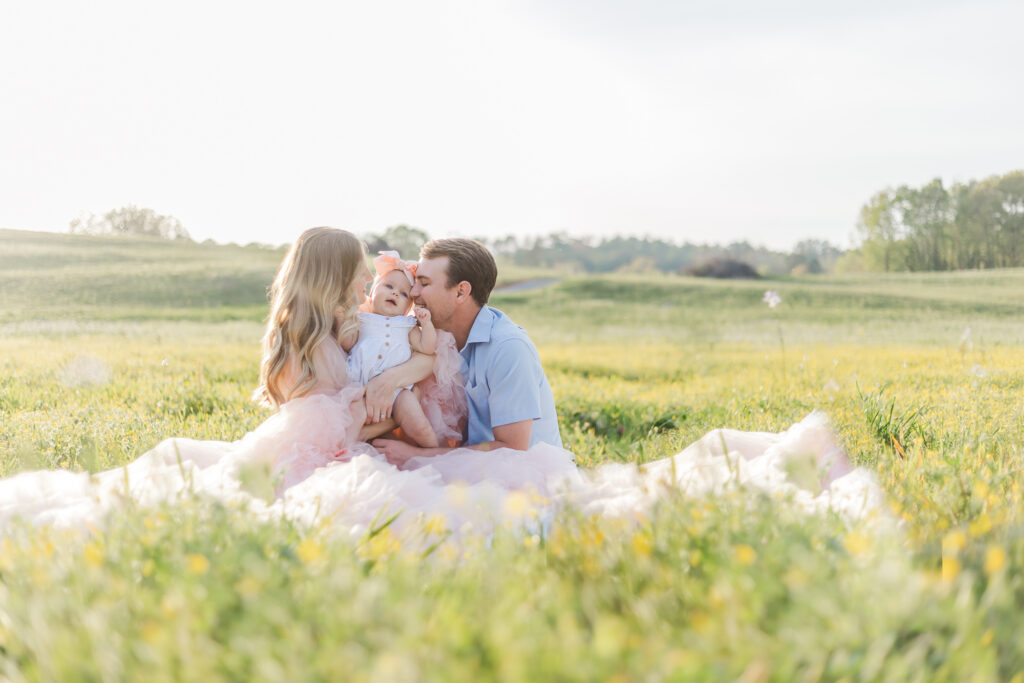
x: 504, y: 332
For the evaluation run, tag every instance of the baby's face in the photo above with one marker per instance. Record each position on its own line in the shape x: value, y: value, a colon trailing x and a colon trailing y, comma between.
x: 391, y: 296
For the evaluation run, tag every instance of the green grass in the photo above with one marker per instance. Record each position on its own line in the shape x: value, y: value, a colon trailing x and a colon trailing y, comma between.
x: 109, y: 346
x: 47, y: 276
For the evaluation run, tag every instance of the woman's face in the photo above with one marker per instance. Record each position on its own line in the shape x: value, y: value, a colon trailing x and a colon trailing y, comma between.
x: 362, y: 282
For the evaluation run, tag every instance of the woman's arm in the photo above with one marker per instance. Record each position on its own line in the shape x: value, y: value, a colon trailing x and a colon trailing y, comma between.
x: 380, y: 391
x: 348, y: 342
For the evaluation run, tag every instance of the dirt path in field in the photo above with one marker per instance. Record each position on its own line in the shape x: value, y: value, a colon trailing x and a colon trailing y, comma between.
x: 526, y: 285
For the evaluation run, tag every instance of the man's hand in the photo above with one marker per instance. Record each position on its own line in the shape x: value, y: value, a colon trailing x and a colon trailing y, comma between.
x: 397, y: 452
x: 368, y: 432
x: 380, y: 398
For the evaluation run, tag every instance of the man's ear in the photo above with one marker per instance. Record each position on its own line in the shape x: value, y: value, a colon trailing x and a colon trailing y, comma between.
x: 463, y: 291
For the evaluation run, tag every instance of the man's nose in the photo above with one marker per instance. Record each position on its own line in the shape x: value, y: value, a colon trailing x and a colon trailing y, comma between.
x: 415, y: 292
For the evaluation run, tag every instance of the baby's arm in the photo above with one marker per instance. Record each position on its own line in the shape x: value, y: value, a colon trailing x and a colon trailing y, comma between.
x: 424, y: 338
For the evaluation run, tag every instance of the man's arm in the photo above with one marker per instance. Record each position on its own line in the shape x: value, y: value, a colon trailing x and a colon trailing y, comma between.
x: 515, y: 435
x: 513, y: 403
x: 380, y: 391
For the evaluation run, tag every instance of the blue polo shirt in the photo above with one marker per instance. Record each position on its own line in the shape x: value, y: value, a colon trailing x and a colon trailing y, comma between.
x: 505, y: 382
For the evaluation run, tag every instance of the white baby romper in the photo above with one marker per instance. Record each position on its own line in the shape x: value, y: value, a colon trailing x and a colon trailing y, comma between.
x: 383, y: 343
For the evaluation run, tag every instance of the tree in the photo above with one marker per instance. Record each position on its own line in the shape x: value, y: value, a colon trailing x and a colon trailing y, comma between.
x: 976, y: 224
x: 1011, y: 214
x: 927, y: 217
x: 130, y: 220
x: 813, y: 256
x: 879, y: 232
x: 401, y: 238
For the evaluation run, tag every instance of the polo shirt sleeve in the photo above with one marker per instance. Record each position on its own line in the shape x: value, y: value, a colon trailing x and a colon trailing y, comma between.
x: 513, y: 382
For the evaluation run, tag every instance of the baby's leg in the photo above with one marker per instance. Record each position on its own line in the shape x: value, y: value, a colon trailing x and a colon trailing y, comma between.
x: 409, y: 416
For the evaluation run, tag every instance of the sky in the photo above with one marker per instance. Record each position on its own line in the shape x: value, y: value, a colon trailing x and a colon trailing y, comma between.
x: 709, y: 122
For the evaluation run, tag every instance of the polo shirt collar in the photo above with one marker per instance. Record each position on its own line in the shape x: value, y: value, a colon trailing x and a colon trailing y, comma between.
x: 481, y: 330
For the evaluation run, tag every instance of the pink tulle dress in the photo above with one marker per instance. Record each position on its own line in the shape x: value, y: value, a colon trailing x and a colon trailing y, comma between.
x: 304, y: 463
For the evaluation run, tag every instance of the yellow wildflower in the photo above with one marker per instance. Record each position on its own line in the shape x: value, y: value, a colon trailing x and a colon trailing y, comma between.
x: 950, y: 568
x: 6, y: 554
x: 699, y: 620
x: 46, y: 546
x: 92, y: 555
x: 448, y: 552
x: 516, y: 504
x: 434, y: 525
x: 795, y: 578
x: 309, y: 551
x: 981, y: 526
x: 196, y: 564
x: 744, y: 554
x: 170, y: 605
x: 641, y: 545
x: 995, y: 559
x: 856, y: 543
x: 953, y: 542
x: 380, y: 545
x: 247, y: 586
x: 592, y: 538
x: 150, y: 631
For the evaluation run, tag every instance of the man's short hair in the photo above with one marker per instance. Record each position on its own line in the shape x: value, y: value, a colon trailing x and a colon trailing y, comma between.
x: 467, y: 260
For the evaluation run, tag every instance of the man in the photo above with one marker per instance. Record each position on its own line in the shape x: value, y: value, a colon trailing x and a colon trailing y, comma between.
x: 510, y: 401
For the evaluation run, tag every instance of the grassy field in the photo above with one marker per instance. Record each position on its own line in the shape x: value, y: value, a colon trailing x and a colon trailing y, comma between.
x: 109, y: 345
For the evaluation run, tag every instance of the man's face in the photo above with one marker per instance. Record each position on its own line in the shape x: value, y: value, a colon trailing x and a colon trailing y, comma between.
x: 431, y: 290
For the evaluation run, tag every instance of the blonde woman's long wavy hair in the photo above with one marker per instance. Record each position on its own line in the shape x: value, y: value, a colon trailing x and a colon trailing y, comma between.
x: 316, y: 279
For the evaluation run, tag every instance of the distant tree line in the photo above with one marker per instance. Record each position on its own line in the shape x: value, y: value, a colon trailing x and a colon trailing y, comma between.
x: 629, y: 254
x: 648, y: 254
x: 130, y: 220
x: 977, y: 224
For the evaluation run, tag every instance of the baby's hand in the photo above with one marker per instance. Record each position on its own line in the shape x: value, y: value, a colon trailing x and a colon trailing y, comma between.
x: 422, y: 315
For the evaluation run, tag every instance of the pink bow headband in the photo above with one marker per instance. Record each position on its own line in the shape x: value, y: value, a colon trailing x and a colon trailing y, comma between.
x: 389, y: 261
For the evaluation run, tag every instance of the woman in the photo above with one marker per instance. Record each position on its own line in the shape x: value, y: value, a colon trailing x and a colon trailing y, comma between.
x: 309, y: 461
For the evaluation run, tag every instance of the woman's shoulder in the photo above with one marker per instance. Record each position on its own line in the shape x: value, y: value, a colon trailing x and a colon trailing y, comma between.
x: 331, y: 365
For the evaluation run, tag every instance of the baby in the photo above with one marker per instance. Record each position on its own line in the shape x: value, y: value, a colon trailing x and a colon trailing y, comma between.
x: 388, y: 336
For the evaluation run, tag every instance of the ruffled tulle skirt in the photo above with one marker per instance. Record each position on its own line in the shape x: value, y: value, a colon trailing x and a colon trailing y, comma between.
x: 301, y: 464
